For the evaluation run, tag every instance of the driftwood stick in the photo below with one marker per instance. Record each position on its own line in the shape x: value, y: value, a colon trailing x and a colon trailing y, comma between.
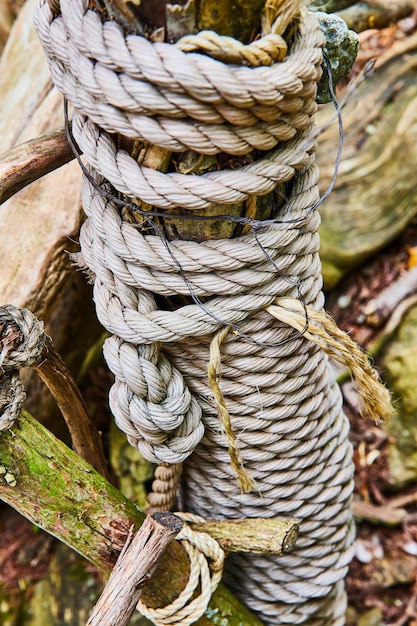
x: 135, y: 565
x: 85, y: 438
x: 330, y: 6
x: 381, y: 515
x: 364, y: 15
x: 31, y: 160
x: 404, y: 500
x: 272, y: 536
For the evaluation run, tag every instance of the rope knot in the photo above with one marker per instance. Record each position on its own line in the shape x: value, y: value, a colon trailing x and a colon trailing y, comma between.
x: 22, y: 340
x: 206, y: 93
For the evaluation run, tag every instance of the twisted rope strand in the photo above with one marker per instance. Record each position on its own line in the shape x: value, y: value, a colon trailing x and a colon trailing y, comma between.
x: 22, y: 340
x: 139, y: 89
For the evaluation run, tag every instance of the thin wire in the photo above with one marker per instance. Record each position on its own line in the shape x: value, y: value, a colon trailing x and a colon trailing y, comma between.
x: 252, y: 223
x: 255, y: 225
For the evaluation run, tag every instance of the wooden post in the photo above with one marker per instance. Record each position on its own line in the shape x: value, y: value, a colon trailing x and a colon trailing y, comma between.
x: 135, y: 565
x: 257, y: 534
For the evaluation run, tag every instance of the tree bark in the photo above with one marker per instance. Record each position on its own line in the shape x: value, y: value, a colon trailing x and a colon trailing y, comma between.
x: 31, y: 160
x: 39, y: 225
x: 267, y: 535
x: 85, y: 438
x: 135, y: 565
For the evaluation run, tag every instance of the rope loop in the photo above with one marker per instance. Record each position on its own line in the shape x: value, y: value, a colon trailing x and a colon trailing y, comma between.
x: 22, y: 340
x: 162, y: 94
x: 206, y: 567
x: 270, y: 49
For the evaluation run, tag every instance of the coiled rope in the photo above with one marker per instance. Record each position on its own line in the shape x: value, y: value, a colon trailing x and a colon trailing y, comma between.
x: 22, y: 339
x: 277, y: 386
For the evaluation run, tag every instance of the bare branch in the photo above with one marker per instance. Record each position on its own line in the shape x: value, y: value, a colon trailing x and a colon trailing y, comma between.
x: 135, y: 565
x: 31, y: 160
x: 364, y: 15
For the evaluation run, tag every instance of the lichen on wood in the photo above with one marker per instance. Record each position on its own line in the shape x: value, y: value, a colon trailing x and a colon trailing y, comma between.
x: 267, y: 535
x: 59, y: 492
x: 400, y: 366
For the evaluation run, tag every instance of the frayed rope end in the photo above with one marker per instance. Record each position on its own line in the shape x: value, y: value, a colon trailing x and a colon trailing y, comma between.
x: 321, y: 329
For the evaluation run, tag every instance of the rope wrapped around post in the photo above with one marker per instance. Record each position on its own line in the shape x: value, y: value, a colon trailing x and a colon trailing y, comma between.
x: 290, y: 434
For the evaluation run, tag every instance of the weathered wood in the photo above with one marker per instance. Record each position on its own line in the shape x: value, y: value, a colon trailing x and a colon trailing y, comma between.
x: 40, y: 224
x: 31, y: 160
x: 379, y: 309
x: 57, y: 490
x: 273, y: 536
x: 6, y: 22
x: 399, y: 364
x: 364, y: 15
x: 376, y: 191
x: 135, y: 565
x: 35, y: 231
x: 330, y: 6
x: 381, y: 515
x: 236, y: 18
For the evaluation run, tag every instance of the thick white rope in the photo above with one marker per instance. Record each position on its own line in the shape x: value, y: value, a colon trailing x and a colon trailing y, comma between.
x: 142, y: 90
x: 278, y: 387
x: 190, y: 192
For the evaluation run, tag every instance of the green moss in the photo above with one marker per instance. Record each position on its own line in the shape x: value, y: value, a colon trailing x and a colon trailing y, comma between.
x: 342, y: 47
x: 71, y: 501
x: 400, y: 365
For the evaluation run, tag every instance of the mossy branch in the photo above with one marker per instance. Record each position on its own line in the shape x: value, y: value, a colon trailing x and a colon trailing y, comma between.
x: 54, y: 488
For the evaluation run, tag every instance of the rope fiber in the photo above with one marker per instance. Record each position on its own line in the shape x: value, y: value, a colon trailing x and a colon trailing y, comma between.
x: 229, y: 350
